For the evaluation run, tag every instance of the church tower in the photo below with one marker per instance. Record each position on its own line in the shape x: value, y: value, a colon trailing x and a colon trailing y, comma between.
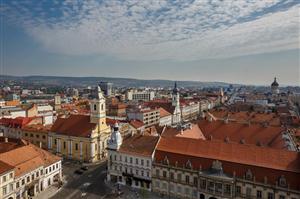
x: 98, y: 111
x: 115, y: 140
x: 175, y: 96
x: 176, y: 117
x: 275, y: 87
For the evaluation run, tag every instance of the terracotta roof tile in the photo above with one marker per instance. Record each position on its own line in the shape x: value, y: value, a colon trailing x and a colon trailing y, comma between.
x: 139, y: 145
x: 74, y: 125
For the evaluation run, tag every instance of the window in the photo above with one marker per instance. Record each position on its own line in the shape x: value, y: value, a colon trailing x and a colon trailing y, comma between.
x: 172, y: 175
x: 46, y: 171
x: 28, y: 179
x: 136, y: 161
x: 147, y: 163
x: 32, y: 177
x: 227, y: 189
x: 76, y: 147
x: 179, y: 189
x: 270, y: 195
x: 23, y: 181
x: 157, y: 172
x: 95, y: 107
x: 258, y: 194
x: 4, y: 191
x: 31, y: 135
x: 148, y: 175
x: 142, y: 162
x: 37, y: 174
x: 164, y: 174
x: 238, y: 190
x: 179, y: 176
x: 37, y: 136
x: 281, y: 197
x: 203, y: 184
x: 26, y: 134
x: 4, y: 178
x: 142, y: 173
x: 55, y: 140
x: 125, y: 158
x: 11, y: 175
x: 17, y: 184
x: 187, y: 179
x: 64, y: 145
x: 102, y: 107
x: 195, y: 181
x: 115, y: 157
x: 248, y: 192
x: 131, y: 160
x: 11, y: 187
x: 44, y: 137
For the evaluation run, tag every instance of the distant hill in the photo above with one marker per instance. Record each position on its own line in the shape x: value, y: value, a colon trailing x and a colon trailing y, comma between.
x: 119, y: 82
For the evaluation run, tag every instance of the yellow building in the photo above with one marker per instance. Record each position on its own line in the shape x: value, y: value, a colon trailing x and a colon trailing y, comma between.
x: 82, y: 137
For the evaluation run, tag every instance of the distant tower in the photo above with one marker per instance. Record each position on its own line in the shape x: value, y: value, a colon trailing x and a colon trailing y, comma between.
x: 275, y: 87
x: 176, y: 104
x: 57, y: 102
x: 97, y: 107
x: 115, y: 140
x: 175, y: 96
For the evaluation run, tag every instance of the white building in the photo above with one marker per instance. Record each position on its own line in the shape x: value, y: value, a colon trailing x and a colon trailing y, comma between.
x: 26, y: 170
x: 140, y: 95
x: 130, y: 162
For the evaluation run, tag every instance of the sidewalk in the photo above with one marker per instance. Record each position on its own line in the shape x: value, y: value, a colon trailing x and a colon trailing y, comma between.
x: 48, y: 193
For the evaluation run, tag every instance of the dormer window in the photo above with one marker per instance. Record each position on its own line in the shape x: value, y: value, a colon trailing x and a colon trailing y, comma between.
x: 282, y: 181
x: 249, y: 175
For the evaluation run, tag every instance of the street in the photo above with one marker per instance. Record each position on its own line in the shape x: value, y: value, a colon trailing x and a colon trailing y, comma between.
x: 90, y: 184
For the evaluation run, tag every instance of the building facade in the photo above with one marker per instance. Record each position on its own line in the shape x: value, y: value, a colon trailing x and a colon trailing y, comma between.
x: 130, y: 162
x: 82, y: 137
x: 26, y: 170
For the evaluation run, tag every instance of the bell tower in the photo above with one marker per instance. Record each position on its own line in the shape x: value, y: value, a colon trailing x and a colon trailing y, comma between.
x: 175, y: 96
x: 98, y: 110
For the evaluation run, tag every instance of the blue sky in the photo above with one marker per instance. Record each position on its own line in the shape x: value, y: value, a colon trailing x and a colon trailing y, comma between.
x: 233, y: 41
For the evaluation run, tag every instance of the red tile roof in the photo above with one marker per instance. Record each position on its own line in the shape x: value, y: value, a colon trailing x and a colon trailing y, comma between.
x: 163, y: 112
x: 4, y: 167
x: 139, y: 145
x: 74, y: 125
x: 270, y: 136
x: 237, y: 158
x: 17, y: 122
x: 194, y: 132
x: 27, y: 157
x: 136, y: 123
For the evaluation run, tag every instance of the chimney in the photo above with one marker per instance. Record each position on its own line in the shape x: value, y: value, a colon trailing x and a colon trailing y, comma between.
x: 6, y: 139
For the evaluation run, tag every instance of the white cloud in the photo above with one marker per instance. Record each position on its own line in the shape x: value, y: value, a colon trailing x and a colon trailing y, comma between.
x: 153, y: 30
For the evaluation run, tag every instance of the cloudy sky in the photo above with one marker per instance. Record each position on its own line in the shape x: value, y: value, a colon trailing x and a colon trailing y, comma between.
x: 242, y: 41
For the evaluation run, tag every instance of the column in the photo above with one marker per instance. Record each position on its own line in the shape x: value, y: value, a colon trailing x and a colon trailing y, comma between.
x: 80, y: 148
x: 57, y: 145
x: 70, y: 148
x: 92, y: 150
x: 49, y: 142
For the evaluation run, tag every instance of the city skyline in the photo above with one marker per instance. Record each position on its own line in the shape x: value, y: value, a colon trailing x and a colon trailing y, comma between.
x: 195, y: 41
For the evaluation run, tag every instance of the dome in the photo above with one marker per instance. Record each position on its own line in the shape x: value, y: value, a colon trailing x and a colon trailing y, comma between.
x: 275, y: 82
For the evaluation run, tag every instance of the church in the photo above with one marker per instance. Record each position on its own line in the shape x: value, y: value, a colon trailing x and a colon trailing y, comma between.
x: 82, y: 137
x: 173, y: 106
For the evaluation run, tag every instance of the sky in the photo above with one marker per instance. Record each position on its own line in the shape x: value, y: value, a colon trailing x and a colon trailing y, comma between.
x: 242, y: 41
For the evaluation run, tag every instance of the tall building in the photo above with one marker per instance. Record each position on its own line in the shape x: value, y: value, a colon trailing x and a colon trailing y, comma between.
x: 176, y: 104
x: 106, y: 87
x: 82, y: 137
x: 275, y: 87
